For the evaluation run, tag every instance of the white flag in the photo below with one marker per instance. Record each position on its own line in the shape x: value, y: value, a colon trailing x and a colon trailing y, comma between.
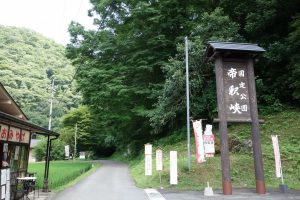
x: 276, y: 155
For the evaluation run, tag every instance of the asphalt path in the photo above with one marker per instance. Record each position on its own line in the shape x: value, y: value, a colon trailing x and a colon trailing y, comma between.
x: 110, y: 182
x: 113, y: 182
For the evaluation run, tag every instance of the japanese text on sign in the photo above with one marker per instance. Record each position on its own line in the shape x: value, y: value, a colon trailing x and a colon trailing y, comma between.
x: 4, y: 132
x: 14, y: 134
x: 236, y: 91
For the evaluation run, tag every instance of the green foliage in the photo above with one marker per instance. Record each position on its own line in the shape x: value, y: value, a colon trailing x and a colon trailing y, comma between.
x: 285, y: 124
x: 28, y: 63
x: 57, y: 150
x: 274, y: 25
x: 123, y: 60
x: 82, y: 117
x: 135, y: 60
x: 171, y: 104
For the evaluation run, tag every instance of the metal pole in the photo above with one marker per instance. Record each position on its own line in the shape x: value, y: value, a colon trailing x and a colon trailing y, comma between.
x: 75, y: 137
x: 45, y: 185
x: 51, y: 102
x: 187, y: 102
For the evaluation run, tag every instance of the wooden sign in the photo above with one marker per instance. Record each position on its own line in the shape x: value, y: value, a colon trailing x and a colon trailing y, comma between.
x: 14, y: 134
x: 25, y: 136
x: 237, y: 102
x: 236, y: 91
x: 148, y: 165
x: 159, y: 160
x: 148, y: 159
x: 148, y: 149
x: 3, y: 132
x: 173, y: 168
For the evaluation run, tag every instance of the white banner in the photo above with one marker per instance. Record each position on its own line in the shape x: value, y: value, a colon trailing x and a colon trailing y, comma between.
x: 148, y: 165
x: 173, y: 168
x: 276, y: 155
x: 197, y: 126
x: 159, y: 160
x: 148, y: 159
x: 148, y: 148
x: 209, y: 141
x: 67, y: 151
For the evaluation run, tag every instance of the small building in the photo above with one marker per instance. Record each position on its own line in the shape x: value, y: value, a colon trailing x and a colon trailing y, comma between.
x: 15, y: 136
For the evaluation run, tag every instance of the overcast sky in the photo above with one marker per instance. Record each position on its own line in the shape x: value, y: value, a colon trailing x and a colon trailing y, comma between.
x: 48, y: 17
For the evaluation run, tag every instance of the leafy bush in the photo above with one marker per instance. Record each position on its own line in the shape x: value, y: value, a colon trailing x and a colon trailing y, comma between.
x: 57, y: 150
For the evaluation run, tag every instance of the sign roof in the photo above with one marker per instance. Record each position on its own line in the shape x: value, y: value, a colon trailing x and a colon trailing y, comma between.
x: 213, y: 47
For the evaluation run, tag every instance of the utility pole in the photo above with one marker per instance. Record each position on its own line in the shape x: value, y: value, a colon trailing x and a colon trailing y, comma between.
x: 51, y: 102
x: 187, y: 102
x: 75, y: 145
x: 46, y: 173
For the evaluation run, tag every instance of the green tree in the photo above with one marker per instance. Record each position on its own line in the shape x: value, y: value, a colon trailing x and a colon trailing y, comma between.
x: 170, y: 110
x: 124, y: 58
x: 57, y: 150
x: 28, y: 63
x: 82, y: 117
x: 131, y: 69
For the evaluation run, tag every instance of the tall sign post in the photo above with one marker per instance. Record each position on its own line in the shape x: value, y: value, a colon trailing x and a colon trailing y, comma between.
x: 148, y: 159
x: 159, y: 162
x: 236, y: 96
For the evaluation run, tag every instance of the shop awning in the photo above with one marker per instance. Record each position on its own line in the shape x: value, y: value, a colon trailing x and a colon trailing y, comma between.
x: 17, y: 122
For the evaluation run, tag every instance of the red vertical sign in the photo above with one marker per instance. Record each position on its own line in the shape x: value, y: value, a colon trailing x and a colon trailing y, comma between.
x: 197, y: 126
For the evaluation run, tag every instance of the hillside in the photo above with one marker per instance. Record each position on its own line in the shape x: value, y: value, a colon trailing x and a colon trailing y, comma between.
x: 286, y: 124
x: 28, y: 63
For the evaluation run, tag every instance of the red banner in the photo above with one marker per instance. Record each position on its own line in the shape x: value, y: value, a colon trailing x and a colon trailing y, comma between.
x: 197, y: 126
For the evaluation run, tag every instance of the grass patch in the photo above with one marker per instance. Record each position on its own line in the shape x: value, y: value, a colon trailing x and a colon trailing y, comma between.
x: 285, y: 124
x: 61, y: 173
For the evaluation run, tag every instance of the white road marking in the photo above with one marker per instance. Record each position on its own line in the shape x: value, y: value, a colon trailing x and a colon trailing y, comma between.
x: 154, y: 194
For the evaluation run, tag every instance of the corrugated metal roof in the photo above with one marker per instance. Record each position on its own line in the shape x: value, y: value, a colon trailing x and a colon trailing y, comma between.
x: 236, y: 46
x: 214, y: 47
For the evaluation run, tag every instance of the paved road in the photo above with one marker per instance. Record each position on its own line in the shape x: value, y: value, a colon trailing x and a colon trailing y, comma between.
x: 238, y: 194
x: 110, y: 182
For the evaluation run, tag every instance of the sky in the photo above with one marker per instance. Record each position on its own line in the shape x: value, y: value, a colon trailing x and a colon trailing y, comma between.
x: 51, y: 18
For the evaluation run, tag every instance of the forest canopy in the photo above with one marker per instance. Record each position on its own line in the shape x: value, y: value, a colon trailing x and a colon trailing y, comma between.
x: 131, y: 68
x: 28, y: 64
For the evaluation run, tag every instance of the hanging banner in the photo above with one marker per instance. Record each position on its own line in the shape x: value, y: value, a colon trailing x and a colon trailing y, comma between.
x: 276, y: 155
x: 159, y: 160
x: 209, y: 141
x: 197, y: 126
x: 173, y: 168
